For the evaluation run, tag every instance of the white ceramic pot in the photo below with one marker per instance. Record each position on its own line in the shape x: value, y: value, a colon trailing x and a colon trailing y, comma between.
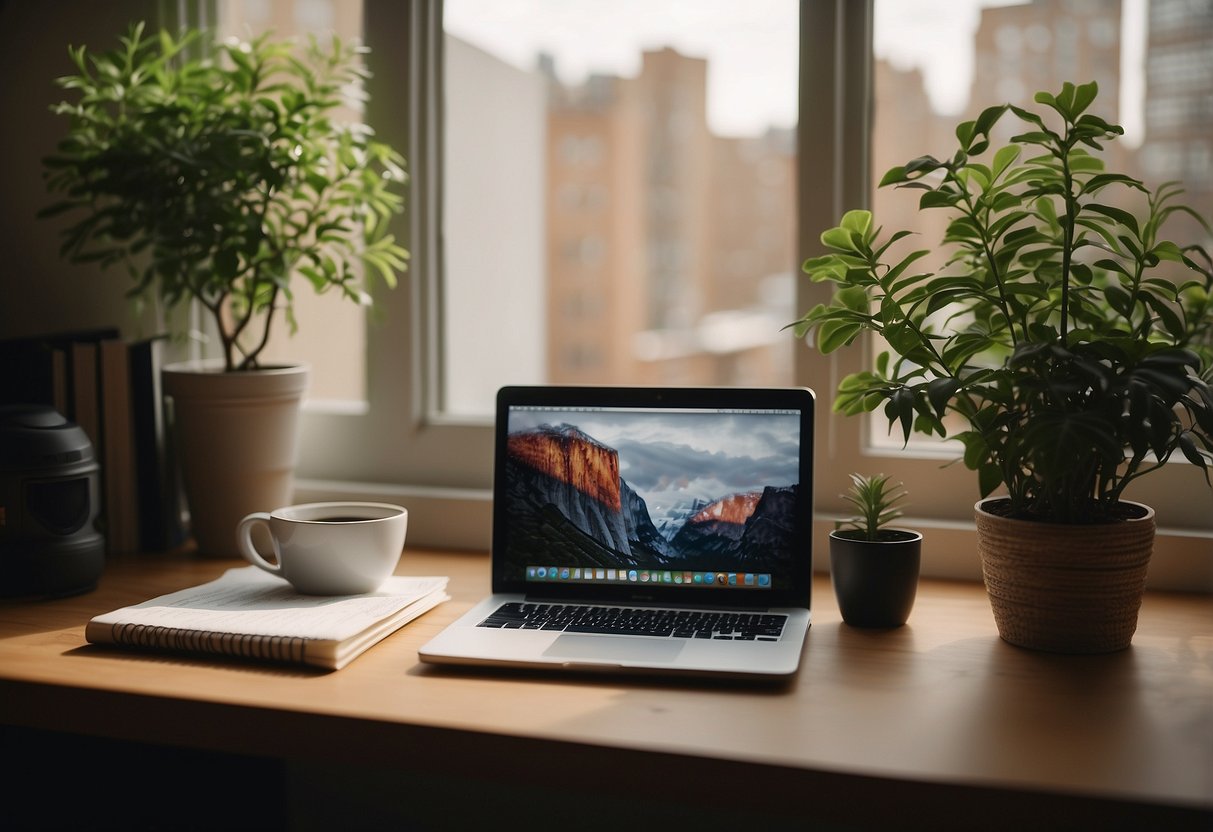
x: 236, y: 437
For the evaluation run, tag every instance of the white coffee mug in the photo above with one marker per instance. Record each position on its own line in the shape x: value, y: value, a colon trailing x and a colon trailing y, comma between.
x: 337, y: 548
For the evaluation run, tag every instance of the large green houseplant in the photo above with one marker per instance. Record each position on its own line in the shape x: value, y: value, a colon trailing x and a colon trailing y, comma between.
x: 219, y: 174
x: 1071, y: 341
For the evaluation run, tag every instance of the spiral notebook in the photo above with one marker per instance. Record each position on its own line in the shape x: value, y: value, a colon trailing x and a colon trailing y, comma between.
x: 246, y: 613
x: 661, y: 530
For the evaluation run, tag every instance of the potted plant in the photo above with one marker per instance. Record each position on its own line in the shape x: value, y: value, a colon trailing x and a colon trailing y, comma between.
x: 219, y: 175
x: 1070, y: 340
x: 874, y: 567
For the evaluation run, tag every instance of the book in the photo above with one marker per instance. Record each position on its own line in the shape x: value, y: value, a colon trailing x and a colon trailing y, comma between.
x: 37, y: 369
x: 59, y: 386
x: 160, y: 501
x: 85, y: 374
x: 86, y: 409
x: 27, y: 367
x: 250, y: 614
x: 117, y: 448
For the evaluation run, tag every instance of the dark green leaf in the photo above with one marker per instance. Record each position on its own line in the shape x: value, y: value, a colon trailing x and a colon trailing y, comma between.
x: 900, y: 410
x: 1121, y: 216
x: 1192, y: 453
x: 940, y: 392
x: 964, y: 132
x: 988, y: 118
x: 893, y: 176
x: 922, y: 165
x: 1034, y: 137
x: 1169, y: 317
x: 902, y: 338
x: 938, y: 199
x: 989, y: 478
x: 1119, y: 300
x: 1102, y: 180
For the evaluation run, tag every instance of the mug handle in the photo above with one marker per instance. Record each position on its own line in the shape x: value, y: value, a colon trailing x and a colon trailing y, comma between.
x: 244, y: 539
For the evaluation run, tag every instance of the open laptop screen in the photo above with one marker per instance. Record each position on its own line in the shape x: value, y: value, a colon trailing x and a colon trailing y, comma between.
x: 649, y: 494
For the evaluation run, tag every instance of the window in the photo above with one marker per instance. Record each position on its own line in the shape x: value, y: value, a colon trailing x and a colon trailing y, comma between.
x: 332, y: 331
x: 418, y: 443
x: 682, y: 111
x: 1011, y: 50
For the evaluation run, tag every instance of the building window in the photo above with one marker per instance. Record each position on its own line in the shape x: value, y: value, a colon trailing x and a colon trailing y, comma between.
x: 423, y: 437
x: 675, y: 112
x: 919, y: 98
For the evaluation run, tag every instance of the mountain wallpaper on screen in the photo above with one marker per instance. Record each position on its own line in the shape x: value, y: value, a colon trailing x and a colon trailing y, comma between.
x: 569, y: 505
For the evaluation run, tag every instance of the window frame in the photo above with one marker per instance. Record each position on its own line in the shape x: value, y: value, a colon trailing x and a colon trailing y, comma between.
x: 403, y: 448
x: 400, y: 447
x: 942, y: 494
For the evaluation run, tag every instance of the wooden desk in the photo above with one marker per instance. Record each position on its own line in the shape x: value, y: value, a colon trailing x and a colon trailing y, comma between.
x: 936, y: 724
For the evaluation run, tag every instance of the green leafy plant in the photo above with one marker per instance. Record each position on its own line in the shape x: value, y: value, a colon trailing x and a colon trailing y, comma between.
x: 877, y: 503
x: 1055, y: 331
x: 218, y: 172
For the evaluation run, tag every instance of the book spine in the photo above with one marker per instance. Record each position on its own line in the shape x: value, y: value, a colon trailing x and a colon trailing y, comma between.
x: 60, y: 397
x: 117, y: 452
x: 159, y: 513
x: 85, y: 404
x: 37, y: 369
x: 286, y: 649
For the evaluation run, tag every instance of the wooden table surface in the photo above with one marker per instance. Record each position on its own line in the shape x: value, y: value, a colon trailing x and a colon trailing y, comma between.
x: 940, y: 708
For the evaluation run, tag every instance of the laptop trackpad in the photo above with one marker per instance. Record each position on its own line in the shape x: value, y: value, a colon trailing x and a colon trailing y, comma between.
x: 614, y: 648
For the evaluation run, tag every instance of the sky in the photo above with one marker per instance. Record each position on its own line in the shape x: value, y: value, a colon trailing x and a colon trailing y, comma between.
x: 751, y: 46
x: 670, y: 460
x: 925, y: 35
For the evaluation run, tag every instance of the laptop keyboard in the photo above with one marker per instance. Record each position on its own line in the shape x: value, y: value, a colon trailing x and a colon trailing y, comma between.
x: 642, y: 621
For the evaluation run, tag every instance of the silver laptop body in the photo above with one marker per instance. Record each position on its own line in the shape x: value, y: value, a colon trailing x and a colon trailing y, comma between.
x: 650, y: 530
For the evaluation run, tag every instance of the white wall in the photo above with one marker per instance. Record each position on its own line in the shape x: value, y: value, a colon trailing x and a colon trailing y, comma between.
x: 493, y: 221
x: 39, y: 291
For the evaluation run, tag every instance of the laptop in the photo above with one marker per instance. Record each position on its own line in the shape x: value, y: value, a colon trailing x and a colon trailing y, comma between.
x: 646, y: 530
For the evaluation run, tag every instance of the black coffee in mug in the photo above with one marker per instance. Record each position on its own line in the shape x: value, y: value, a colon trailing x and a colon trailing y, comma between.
x: 331, y: 548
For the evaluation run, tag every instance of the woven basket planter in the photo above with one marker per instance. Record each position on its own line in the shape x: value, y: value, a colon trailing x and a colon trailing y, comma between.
x: 1065, y: 589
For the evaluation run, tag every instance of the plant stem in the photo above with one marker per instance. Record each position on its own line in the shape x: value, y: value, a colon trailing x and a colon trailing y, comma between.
x: 250, y: 359
x: 1068, y: 236
x: 216, y: 310
x: 970, y: 211
x: 1071, y: 215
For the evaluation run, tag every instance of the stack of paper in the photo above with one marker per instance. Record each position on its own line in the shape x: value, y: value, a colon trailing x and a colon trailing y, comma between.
x: 249, y: 613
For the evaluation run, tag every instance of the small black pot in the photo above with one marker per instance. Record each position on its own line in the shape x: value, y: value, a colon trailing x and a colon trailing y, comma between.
x: 875, y: 581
